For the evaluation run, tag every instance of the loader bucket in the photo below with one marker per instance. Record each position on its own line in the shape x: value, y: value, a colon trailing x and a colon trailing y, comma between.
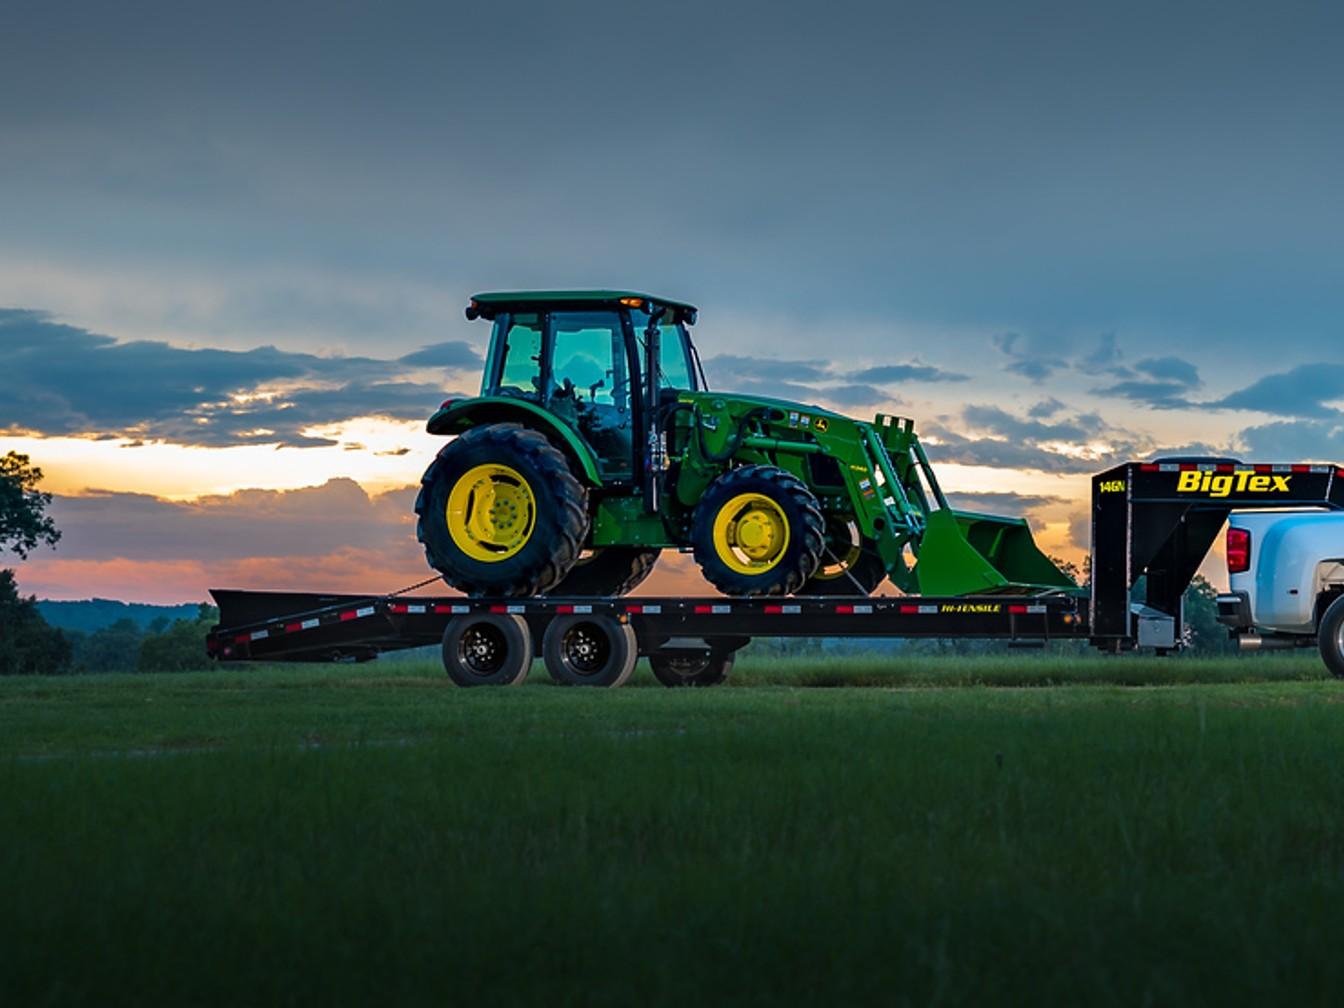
x: 963, y: 553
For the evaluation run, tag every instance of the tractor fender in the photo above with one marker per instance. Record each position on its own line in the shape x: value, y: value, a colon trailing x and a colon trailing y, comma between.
x: 463, y: 414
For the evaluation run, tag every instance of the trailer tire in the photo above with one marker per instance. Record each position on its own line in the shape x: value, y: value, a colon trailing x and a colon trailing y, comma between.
x: 1330, y: 637
x: 488, y: 649
x: 609, y: 572
x: 781, y: 516
x: 589, y: 650
x: 481, y: 550
x: 708, y: 669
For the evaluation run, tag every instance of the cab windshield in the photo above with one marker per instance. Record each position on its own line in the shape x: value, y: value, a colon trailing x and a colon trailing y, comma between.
x: 675, y: 366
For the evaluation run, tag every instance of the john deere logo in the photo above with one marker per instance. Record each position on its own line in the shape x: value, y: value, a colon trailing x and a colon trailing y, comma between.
x: 821, y: 425
x: 1226, y: 484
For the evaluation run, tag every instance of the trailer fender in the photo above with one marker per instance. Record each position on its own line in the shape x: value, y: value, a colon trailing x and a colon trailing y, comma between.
x: 456, y: 417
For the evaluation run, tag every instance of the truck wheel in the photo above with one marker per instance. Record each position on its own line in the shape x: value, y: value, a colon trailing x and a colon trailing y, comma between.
x: 848, y: 557
x: 500, y: 512
x: 589, y: 650
x: 610, y: 571
x: 757, y: 530
x: 707, y: 669
x: 1331, y: 638
x: 487, y: 650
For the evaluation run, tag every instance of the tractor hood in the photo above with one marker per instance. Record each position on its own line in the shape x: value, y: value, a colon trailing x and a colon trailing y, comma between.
x: 739, y: 402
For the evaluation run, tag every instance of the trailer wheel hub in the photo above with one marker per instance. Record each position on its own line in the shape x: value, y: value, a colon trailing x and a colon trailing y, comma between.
x: 491, y: 512
x: 751, y: 533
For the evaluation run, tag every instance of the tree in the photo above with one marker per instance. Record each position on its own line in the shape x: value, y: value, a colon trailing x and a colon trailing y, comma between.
x: 114, y: 648
x: 24, y: 523
x: 180, y: 647
x: 28, y: 645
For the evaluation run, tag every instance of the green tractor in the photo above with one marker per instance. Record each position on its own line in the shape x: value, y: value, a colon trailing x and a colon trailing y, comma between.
x: 595, y: 444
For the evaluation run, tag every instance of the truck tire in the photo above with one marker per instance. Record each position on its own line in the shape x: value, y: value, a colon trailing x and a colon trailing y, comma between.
x: 849, y: 563
x: 1330, y: 636
x: 500, y: 512
x: 489, y: 649
x: 589, y: 650
x: 757, y: 530
x: 676, y: 670
x: 609, y: 572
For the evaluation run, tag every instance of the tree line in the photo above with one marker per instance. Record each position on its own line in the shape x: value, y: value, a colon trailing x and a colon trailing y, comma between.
x: 29, y: 645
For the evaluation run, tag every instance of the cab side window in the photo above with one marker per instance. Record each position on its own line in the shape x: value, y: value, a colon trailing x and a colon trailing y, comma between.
x: 590, y: 385
x: 521, y: 371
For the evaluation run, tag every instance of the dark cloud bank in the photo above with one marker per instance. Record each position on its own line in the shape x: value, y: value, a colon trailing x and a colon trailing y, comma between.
x: 62, y: 380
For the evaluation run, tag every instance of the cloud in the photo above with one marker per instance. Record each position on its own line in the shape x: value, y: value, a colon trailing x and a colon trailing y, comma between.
x: 454, y: 354
x: 1105, y: 359
x: 1067, y: 445
x: 1156, y: 382
x: 63, y: 380
x: 1155, y: 394
x: 1045, y: 408
x: 886, y: 373
x: 333, y: 537
x: 854, y: 395
x: 1303, y: 391
x: 1027, y: 361
x: 1004, y: 424
x: 1170, y: 369
x: 1296, y: 441
x: 729, y: 371
x: 311, y: 521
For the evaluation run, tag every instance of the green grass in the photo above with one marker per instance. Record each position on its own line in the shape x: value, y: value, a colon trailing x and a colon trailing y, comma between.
x: 969, y: 834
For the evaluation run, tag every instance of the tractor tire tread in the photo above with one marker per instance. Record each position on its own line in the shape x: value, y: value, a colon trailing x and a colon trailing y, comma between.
x: 550, y: 462
x: 814, y: 525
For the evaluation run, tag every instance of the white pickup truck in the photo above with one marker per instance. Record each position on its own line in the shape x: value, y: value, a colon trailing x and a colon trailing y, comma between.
x: 1287, y: 582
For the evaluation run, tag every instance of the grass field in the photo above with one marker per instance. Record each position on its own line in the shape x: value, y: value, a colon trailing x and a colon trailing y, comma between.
x: 991, y: 830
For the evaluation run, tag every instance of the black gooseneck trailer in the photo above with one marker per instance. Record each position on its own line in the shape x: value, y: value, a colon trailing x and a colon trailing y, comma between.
x: 1150, y: 520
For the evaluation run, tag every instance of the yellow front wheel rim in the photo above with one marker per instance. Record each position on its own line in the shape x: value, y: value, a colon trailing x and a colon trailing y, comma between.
x: 491, y: 512
x: 751, y: 534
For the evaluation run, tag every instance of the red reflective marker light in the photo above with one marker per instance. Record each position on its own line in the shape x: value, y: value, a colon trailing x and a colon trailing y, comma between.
x: 1238, y: 551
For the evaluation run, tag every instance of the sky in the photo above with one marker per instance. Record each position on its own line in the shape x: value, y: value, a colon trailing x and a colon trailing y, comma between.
x: 236, y: 242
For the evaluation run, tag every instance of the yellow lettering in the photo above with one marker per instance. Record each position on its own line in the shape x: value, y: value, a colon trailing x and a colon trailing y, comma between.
x: 1189, y: 481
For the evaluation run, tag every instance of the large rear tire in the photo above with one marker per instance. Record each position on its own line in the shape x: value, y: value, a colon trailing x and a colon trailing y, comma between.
x: 608, y: 572
x: 757, y: 530
x: 500, y: 512
x: 1330, y: 637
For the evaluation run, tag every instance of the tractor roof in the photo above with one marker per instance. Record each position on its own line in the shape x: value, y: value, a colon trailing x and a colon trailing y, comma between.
x: 489, y: 303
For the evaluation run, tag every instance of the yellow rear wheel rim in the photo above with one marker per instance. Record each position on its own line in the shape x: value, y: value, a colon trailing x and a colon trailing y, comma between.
x: 491, y: 512
x: 751, y: 534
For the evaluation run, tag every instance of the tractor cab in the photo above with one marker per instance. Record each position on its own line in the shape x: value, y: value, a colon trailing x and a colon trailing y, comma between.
x: 598, y: 361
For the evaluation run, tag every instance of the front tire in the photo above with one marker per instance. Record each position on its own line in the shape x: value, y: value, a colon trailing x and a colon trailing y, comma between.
x: 757, y: 530
x: 500, y: 512
x: 1330, y: 637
